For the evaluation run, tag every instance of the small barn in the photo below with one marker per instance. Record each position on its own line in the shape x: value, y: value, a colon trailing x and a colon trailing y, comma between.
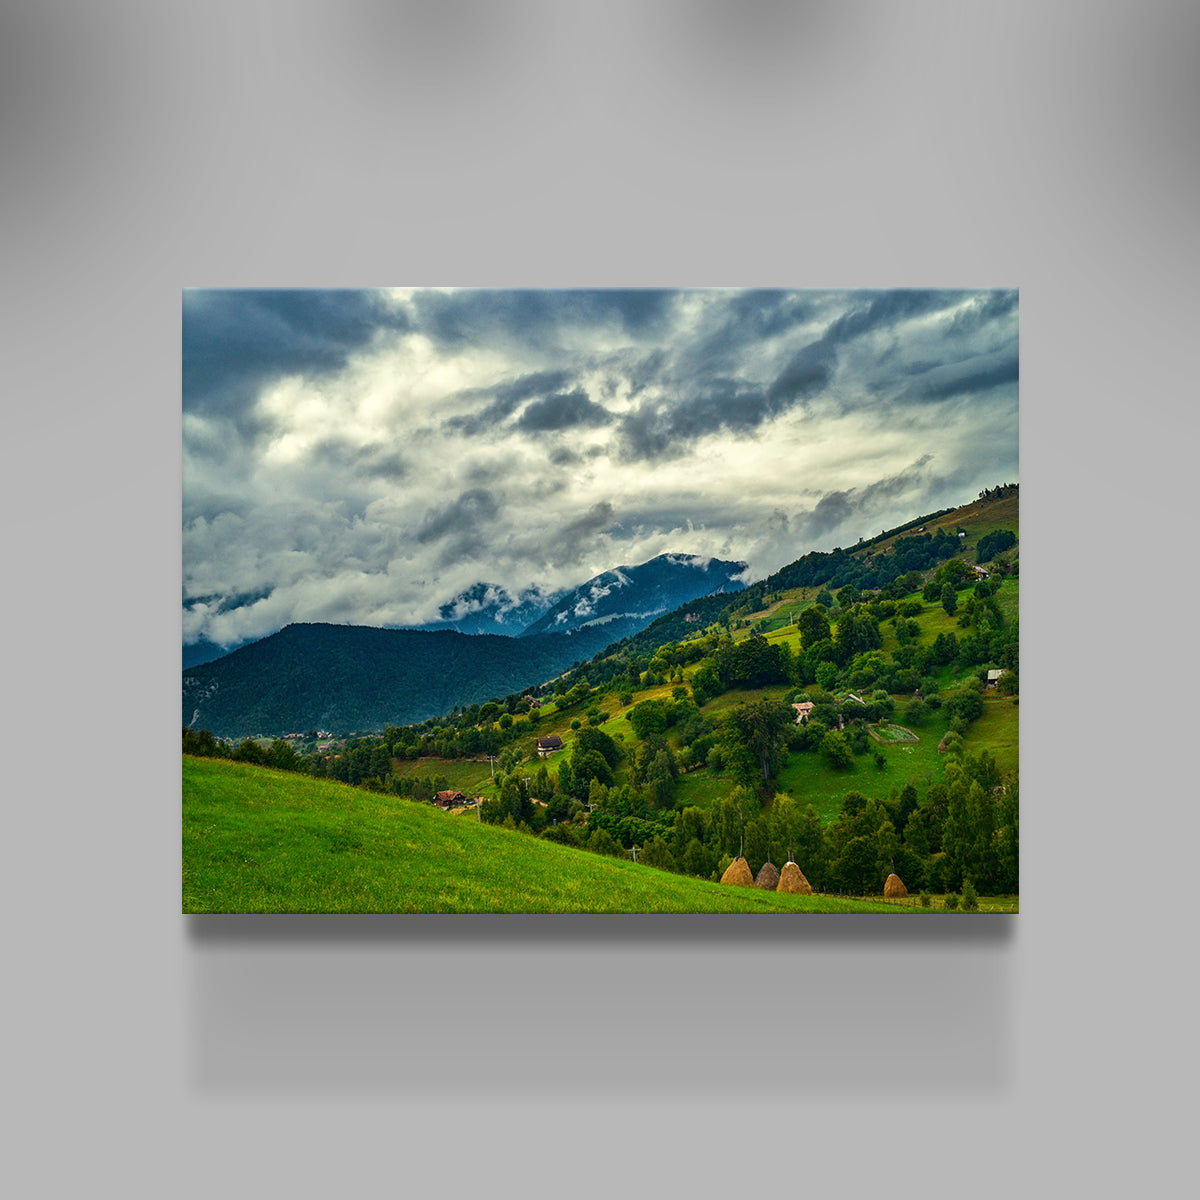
x: 803, y: 709
x: 449, y: 799
x: 547, y: 745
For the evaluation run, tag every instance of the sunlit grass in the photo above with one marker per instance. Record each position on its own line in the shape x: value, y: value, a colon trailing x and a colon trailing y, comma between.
x: 256, y: 840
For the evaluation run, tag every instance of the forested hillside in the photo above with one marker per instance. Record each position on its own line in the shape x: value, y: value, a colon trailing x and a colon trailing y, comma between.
x: 351, y: 677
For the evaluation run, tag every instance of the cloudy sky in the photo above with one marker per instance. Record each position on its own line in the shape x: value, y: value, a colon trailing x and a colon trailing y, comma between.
x: 365, y: 456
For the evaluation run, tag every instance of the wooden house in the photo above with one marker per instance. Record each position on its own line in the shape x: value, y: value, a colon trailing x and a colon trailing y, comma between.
x: 547, y: 745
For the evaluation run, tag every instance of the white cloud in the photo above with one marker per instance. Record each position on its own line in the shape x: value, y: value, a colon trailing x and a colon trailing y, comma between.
x: 310, y: 500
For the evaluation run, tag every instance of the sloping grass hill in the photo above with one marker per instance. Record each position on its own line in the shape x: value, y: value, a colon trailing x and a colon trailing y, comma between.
x: 257, y: 840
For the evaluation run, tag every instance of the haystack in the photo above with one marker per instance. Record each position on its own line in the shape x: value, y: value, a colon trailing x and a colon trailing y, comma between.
x: 791, y: 879
x: 893, y: 887
x: 767, y: 877
x: 738, y: 872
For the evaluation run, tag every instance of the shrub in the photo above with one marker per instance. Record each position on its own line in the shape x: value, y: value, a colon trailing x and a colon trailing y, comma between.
x: 656, y: 853
x: 965, y: 703
x: 600, y: 841
x: 952, y: 743
x: 563, y: 834
x: 970, y: 900
x: 994, y: 543
x: 836, y: 749
x: 951, y: 901
x: 925, y: 901
x: 827, y: 673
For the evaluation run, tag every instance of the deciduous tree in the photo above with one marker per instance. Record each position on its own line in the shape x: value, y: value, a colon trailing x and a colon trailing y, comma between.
x: 760, y: 729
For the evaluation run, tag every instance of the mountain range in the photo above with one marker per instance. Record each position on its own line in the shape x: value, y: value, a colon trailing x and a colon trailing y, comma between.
x: 357, y: 678
x: 489, y: 644
x: 629, y: 598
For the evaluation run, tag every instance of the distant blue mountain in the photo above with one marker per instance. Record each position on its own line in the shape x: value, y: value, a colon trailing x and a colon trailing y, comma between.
x: 356, y: 677
x: 489, y: 608
x: 629, y: 598
x: 204, y: 651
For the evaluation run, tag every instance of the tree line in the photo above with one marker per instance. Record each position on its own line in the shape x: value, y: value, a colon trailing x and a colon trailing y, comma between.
x: 961, y: 833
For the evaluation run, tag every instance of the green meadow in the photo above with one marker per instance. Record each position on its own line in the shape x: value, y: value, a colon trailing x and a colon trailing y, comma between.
x: 257, y: 840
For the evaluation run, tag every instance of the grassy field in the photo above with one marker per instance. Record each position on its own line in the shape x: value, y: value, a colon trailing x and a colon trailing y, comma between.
x: 808, y: 779
x: 701, y: 788
x: 263, y: 841
x: 995, y: 732
x: 462, y: 774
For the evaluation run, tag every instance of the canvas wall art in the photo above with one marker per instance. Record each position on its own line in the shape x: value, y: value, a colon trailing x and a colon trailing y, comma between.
x: 600, y: 601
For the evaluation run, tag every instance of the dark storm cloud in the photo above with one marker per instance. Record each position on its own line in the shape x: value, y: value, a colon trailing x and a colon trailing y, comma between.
x: 641, y: 372
x: 536, y: 319
x: 599, y: 517
x: 665, y: 430
x: 571, y: 542
x: 805, y: 375
x: 697, y: 405
x: 504, y: 399
x: 881, y: 309
x: 466, y: 514
x: 563, y: 411
x: 380, y: 463
x: 235, y: 341
x: 223, y: 603
x: 563, y: 456
x: 990, y: 306
x: 745, y: 320
x: 375, y: 461
x: 835, y: 508
x: 830, y: 512
x: 973, y: 376
x: 811, y: 368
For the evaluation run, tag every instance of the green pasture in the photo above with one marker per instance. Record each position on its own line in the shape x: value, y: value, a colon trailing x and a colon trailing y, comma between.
x: 1008, y: 596
x: 995, y: 732
x: 809, y: 779
x: 263, y: 841
x: 735, y: 696
x: 462, y: 774
x: 701, y: 788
